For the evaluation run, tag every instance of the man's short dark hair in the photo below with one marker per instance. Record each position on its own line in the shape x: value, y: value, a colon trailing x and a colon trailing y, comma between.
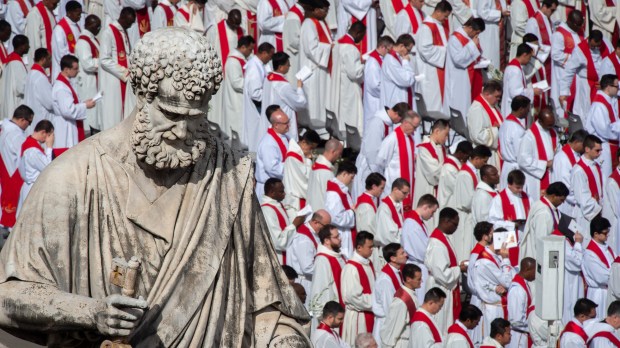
x: 265, y: 47
x: 486, y: 170
x: 549, y: 3
x: 405, y: 40
x: 409, y: 270
x: 127, y: 12
x: 73, y: 6
x: 346, y: 167
x: 434, y: 295
x: 464, y: 147
x: 385, y: 41
x: 608, y: 80
x: 279, y: 59
x: 310, y: 136
x: 41, y: 53
x: 332, y: 309
x: 401, y: 109
x: 19, y: 40
x: 591, y: 140
x: 499, y: 326
x: 440, y: 124
x: 374, y: 179
x: 390, y: 250
x: 447, y: 213
x: 67, y: 61
x: 470, y: 312
x: 482, y: 229
x: 44, y: 125
x: 400, y: 184
x: 4, y: 25
x: 584, y: 306
x: 270, y: 110
x: 519, y: 102
x: 290, y: 272
x: 245, y: 41
x: 443, y: 6
x: 492, y: 86
x: 524, y: 49
x: 596, y: 36
x: 428, y: 199
x: 23, y: 112
x: 614, y: 309
x: 557, y: 189
x: 326, y: 232
x: 516, y: 177
x: 357, y: 28
x: 271, y: 184
x: 481, y: 151
x: 362, y: 237
x: 598, y: 225
x: 477, y: 24
x: 578, y: 136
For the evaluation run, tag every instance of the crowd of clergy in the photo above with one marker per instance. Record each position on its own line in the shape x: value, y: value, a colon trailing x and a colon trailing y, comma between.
x: 392, y: 139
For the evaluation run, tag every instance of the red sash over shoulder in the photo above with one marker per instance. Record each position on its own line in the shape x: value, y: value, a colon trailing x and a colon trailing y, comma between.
x: 416, y: 217
x: 366, y: 289
x: 592, y: 184
x: 276, y: 11
x: 438, y: 41
x: 395, y: 215
x: 79, y: 123
x: 596, y: 249
x: 71, y: 39
x: 415, y: 25
x: 47, y: 24
x: 591, y: 74
x: 144, y: 20
x: 278, y: 141
x: 404, y: 296
x: 324, y: 37
x: 365, y: 198
x: 542, y: 152
x: 10, y: 185
x: 22, y: 6
x: 121, y: 57
x: 336, y: 272
x: 422, y: 317
x: 406, y: 160
x: 169, y: 14
x: 344, y: 198
x: 457, y: 329
x: 475, y: 75
x: 281, y: 222
x: 456, y: 292
x: 303, y: 229
x: 387, y: 269
x: 222, y: 33
x: 576, y: 329
x: 31, y: 143
x: 185, y: 14
x: 607, y: 335
x: 494, y: 116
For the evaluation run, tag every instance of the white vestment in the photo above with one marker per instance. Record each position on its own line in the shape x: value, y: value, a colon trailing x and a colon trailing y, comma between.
x: 414, y: 239
x: 443, y: 276
x: 252, y: 123
x: 515, y: 84
x: 291, y: 100
x: 366, y: 216
x: 11, y: 139
x: 342, y: 218
x: 577, y: 66
x: 539, y: 224
x: 291, y: 38
x: 397, y: 80
x: 324, y: 287
x: 456, y: 340
x: 573, y: 279
x: 66, y: 113
x: 404, y: 23
x: 345, y: 89
x: 270, y: 22
x: 431, y: 61
x: 281, y: 237
x: 518, y: 313
x: 234, y: 93
x: 295, y: 176
x: 396, y: 331
x: 572, y: 340
x: 490, y: 37
x: 592, y: 327
x: 481, y: 202
x: 390, y: 9
x: 613, y: 288
x: 610, y: 210
x: 60, y: 44
x: 559, y: 58
x: 159, y: 19
x: 518, y: 21
x: 316, y: 56
x: 562, y: 169
x: 86, y: 80
x: 597, y: 273
x: 510, y: 135
x: 38, y: 96
x: 603, y: 17
x: 317, y: 183
x: 529, y: 162
x: 482, y: 130
x: 269, y: 161
x: 12, y: 87
x: 599, y: 123
x: 421, y: 334
x: 382, y: 297
x: 325, y: 339
x: 447, y: 179
x: 355, y: 301
x: 372, y: 90
x: 496, y: 211
x: 111, y: 75
x: 386, y: 229
x: 464, y: 188
x: 427, y: 170
x: 16, y: 18
x: 35, y: 31
x: 458, y: 84
x: 586, y: 206
x: 361, y: 10
x: 31, y: 164
x: 388, y: 160
x: 300, y: 255
x: 195, y: 22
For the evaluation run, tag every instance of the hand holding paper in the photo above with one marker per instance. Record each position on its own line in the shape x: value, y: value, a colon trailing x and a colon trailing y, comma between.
x: 303, y: 74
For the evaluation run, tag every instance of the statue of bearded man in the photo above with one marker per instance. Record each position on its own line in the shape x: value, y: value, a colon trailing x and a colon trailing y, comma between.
x: 159, y: 187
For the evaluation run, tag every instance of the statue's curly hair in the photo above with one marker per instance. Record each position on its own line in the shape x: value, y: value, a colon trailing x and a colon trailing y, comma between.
x: 181, y: 54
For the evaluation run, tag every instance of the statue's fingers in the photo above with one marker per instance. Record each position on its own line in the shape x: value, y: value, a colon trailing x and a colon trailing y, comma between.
x: 122, y: 315
x: 124, y: 301
x: 120, y: 332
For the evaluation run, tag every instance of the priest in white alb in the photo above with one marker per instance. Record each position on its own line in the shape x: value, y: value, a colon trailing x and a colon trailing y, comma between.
x: 444, y: 269
x: 587, y: 185
x: 366, y: 204
x: 345, y: 89
x: 426, y: 330
x: 521, y: 303
x: 602, y: 13
x: 464, y: 81
x: 40, y: 23
x: 388, y: 281
x: 389, y: 222
x: 431, y: 59
x: 14, y: 75
x: 323, y: 171
x: 365, y: 11
x: 597, y: 261
x: 87, y: 52
x: 611, y: 199
x: 515, y: 81
x: 254, y: 123
x: 38, y: 91
x: 69, y: 112
x: 398, y: 74
x: 190, y: 16
x: 326, y: 335
x: 493, y: 38
x: 113, y: 70
x: 339, y: 204
x: 520, y: 12
x: 272, y: 149
x: 484, y: 194
x: 459, y: 334
x: 372, y: 81
x: 270, y: 16
x: 297, y: 167
x: 409, y: 19
x: 563, y: 163
x: 15, y: 15
x: 390, y: 9
x: 484, y: 120
x: 430, y: 159
x: 163, y: 14
x: 232, y: 90
x: 65, y: 35
x: 510, y: 134
x: 451, y: 166
x: 291, y: 36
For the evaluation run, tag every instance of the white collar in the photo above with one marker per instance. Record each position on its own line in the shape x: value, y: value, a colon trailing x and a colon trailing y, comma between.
x: 358, y: 258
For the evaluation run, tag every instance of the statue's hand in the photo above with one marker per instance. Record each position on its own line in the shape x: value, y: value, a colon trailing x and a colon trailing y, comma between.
x: 117, y: 315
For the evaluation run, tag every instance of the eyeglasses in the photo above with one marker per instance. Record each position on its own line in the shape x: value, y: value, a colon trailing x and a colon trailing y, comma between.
x: 405, y: 193
x: 287, y: 122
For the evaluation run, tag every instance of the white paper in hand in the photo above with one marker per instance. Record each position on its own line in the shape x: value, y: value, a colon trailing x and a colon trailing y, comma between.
x: 305, y: 211
x: 303, y: 74
x: 572, y: 226
x: 482, y: 64
x: 366, y: 56
x: 98, y: 96
x: 420, y: 77
x: 544, y: 85
x: 509, y: 237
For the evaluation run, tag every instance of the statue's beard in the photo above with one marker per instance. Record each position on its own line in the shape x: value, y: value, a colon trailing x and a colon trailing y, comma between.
x: 153, y: 146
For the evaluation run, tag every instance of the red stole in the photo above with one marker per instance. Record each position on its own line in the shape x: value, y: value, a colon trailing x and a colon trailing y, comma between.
x: 431, y: 149
x: 514, y: 119
x: 37, y: 67
x: 530, y: 9
x: 508, y: 209
x: 323, y: 38
x: 144, y: 22
x: 471, y: 173
x: 276, y: 11
x: 10, y: 185
x: 47, y: 25
x: 185, y: 14
x: 504, y: 298
x: 475, y: 75
x: 570, y: 154
x: 576, y: 329
x: 494, y: 117
x: 438, y: 41
x: 14, y: 57
x: 421, y: 316
x: 276, y: 77
x: 366, y: 289
x: 279, y: 141
x: 223, y: 37
x: 397, y: 5
x: 319, y: 166
x: 594, y: 189
x: 412, y: 18
x: 121, y: 57
x: 324, y: 327
x: 295, y: 9
x: 615, y: 34
x: 542, y: 152
x: 24, y: 7
x: 405, y: 159
x: 294, y: 155
x: 516, y: 63
x: 596, y: 249
x: 336, y: 271
x: 365, y: 198
x: 530, y: 307
x: 3, y: 54
x: 93, y: 48
x: 363, y: 45
x: 450, y: 161
x: 374, y: 54
x: 613, y: 144
x: 542, y: 28
x: 409, y: 90
x: 78, y: 123
x: 71, y: 40
x: 395, y: 216
x: 281, y: 221
x: 591, y: 74
x: 416, y: 217
x: 387, y: 269
x: 605, y: 334
x: 169, y: 14
x: 456, y: 293
x: 457, y: 329
x: 615, y: 176
x: 347, y: 40
x: 303, y: 229
x: 404, y: 296
x: 569, y: 42
x: 344, y: 198
x: 29, y: 144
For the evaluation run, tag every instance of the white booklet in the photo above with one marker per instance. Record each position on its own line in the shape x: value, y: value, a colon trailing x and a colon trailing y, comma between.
x: 544, y: 85
x: 303, y: 74
x: 509, y: 237
x: 482, y: 64
x: 420, y: 77
x: 305, y: 211
x: 98, y: 96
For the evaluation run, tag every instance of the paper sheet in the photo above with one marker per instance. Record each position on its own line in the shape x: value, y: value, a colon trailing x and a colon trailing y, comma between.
x: 303, y: 74
x: 307, y: 210
x: 509, y: 237
x: 420, y: 77
x: 98, y: 96
x: 542, y: 85
x: 482, y: 64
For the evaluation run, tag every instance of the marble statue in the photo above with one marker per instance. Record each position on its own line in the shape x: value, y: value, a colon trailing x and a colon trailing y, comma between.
x: 158, y: 187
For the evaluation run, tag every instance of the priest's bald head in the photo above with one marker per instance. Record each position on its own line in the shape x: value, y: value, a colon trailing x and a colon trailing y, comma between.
x: 173, y: 73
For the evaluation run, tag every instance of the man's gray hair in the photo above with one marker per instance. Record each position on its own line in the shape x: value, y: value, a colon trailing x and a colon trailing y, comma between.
x: 365, y: 340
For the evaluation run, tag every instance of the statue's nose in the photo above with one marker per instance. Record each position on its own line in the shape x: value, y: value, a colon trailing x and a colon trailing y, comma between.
x: 180, y: 129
